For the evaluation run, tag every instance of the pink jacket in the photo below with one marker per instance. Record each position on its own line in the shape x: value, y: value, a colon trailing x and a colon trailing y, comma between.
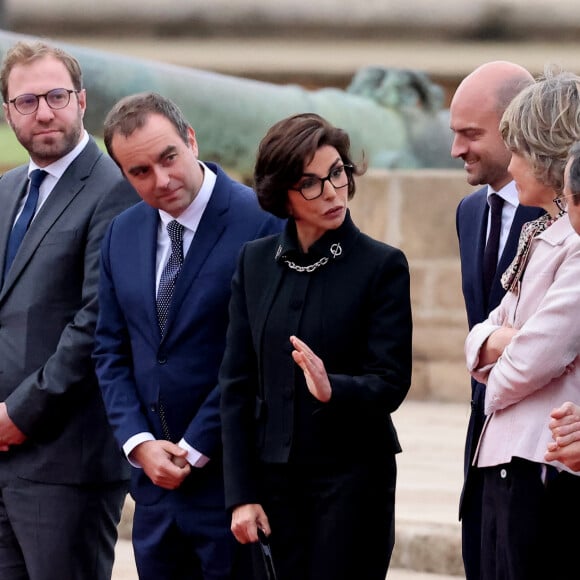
x: 529, y: 379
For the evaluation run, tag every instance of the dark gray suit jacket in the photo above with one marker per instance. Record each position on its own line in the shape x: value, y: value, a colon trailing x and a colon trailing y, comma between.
x: 48, y: 311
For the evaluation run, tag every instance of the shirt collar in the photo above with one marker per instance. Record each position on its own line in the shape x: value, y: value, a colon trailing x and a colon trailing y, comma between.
x: 508, y: 193
x: 58, y: 168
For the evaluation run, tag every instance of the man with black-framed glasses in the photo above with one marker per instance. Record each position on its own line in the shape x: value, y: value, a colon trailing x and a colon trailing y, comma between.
x: 63, y: 479
x: 56, y: 99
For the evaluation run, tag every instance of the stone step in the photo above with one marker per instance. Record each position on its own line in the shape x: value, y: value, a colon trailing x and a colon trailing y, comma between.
x: 124, y: 568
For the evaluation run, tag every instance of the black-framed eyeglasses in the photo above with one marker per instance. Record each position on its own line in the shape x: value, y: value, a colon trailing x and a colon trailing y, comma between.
x: 27, y: 103
x: 312, y: 186
x: 561, y: 201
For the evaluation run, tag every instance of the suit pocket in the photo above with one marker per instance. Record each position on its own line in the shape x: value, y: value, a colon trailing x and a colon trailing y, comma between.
x: 59, y: 237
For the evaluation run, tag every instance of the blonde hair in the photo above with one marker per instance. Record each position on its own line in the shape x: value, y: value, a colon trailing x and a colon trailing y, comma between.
x: 542, y: 122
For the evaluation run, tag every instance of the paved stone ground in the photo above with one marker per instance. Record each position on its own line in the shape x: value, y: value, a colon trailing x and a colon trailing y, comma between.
x: 429, y: 482
x: 125, y: 568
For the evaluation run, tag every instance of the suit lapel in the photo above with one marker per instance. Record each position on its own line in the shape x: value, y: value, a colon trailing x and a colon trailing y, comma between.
x: 275, y: 279
x: 12, y: 186
x: 210, y: 230
x: 146, y: 253
x: 66, y: 189
x: 480, y: 233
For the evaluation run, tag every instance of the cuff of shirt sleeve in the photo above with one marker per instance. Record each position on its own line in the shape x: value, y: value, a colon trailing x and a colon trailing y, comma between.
x: 132, y: 442
x: 194, y: 457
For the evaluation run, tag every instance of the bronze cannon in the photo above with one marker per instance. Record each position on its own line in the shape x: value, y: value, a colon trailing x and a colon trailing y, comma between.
x: 395, y: 117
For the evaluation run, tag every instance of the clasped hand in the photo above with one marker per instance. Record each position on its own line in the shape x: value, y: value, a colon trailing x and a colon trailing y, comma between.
x: 10, y: 434
x: 565, y: 427
x: 495, y: 344
x: 164, y: 462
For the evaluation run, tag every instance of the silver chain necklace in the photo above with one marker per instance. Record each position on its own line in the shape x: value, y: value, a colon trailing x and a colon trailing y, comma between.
x: 309, y: 268
x: 335, y: 250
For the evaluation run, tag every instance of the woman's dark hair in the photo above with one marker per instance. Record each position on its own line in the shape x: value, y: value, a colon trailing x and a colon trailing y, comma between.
x: 284, y: 151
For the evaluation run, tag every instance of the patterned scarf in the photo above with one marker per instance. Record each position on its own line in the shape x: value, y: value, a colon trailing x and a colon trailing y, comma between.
x: 530, y: 230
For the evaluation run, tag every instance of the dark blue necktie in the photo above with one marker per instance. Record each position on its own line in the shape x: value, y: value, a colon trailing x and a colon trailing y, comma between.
x: 24, y: 219
x: 170, y: 273
x: 491, y: 252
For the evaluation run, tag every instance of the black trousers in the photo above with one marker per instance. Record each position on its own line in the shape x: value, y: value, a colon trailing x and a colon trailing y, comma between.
x: 471, y: 524
x: 331, y: 522
x: 472, y: 493
x: 527, y: 510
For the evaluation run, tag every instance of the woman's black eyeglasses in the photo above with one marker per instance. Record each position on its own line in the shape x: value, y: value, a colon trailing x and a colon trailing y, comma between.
x: 312, y: 186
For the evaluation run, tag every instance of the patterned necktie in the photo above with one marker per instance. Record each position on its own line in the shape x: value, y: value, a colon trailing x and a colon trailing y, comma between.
x: 491, y: 252
x: 24, y: 219
x: 170, y: 273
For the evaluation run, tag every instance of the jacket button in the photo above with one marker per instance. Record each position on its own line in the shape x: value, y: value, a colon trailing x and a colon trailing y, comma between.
x: 153, y: 408
x: 162, y: 359
x: 503, y: 473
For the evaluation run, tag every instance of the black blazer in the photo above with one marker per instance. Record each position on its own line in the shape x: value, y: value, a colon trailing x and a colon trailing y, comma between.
x: 354, y: 311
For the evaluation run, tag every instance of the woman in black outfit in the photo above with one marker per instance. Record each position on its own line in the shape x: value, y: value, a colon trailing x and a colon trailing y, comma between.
x: 318, y: 356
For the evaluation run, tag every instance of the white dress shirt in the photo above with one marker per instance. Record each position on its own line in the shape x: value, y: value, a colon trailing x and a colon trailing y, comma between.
x: 509, y: 194
x: 54, y: 172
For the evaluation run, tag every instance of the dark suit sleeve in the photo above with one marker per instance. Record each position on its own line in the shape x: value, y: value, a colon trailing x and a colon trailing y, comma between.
x: 114, y: 360
x: 54, y: 389
x: 203, y: 433
x: 239, y: 384
x: 386, y: 376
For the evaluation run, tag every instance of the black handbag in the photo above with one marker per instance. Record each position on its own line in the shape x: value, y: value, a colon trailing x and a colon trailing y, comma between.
x: 266, y: 555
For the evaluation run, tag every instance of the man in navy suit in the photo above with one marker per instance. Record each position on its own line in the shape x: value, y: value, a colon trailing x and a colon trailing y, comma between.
x: 476, y: 110
x: 164, y: 290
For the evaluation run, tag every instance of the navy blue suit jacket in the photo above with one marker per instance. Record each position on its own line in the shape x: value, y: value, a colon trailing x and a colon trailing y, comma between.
x: 471, y: 222
x: 136, y: 367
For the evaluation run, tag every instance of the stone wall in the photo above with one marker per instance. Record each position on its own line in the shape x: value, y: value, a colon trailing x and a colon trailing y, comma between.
x: 415, y: 211
x: 505, y: 19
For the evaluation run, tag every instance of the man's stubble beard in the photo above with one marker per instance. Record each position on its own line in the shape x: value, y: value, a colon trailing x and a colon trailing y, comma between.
x: 44, y: 152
